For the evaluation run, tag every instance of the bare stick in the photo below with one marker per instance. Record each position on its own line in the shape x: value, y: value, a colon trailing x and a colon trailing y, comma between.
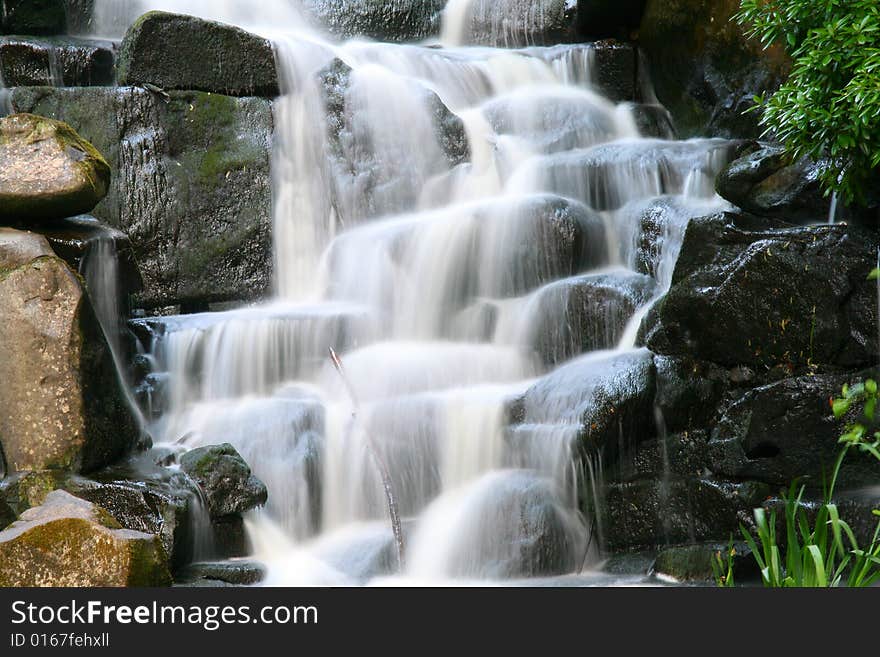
x: 393, y: 509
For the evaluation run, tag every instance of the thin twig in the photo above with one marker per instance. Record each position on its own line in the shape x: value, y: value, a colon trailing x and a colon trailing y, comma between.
x: 387, y: 485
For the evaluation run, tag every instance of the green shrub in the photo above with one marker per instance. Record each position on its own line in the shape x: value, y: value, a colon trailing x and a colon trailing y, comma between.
x: 830, y: 104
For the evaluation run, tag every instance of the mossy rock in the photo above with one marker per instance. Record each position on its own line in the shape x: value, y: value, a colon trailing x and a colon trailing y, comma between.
x: 29, y: 61
x: 67, y: 541
x: 693, y: 563
x: 174, y: 51
x: 33, y: 17
x: 191, y: 185
x: 704, y: 68
x: 225, y: 478
x: 49, y: 171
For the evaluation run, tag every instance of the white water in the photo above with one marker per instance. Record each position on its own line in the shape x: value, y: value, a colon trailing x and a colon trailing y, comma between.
x: 430, y: 278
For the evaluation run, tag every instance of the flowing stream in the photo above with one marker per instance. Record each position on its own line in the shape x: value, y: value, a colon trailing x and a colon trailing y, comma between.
x: 455, y: 260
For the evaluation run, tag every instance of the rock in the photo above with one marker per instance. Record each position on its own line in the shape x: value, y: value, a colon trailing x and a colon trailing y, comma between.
x: 191, y: 185
x: 617, y: 71
x: 599, y: 19
x: 33, y: 17
x: 608, y: 176
x: 234, y: 573
x: 7, y: 515
x: 76, y: 238
x: 79, y: 16
x: 513, y: 23
x: 785, y: 430
x: 66, y: 62
x: 383, y: 20
x: 598, y: 397
x: 681, y: 455
x: 23, y: 490
x: 654, y: 121
x: 649, y: 513
x: 747, y: 294
x: 230, y: 538
x: 689, y: 391
x: 173, y: 51
x: 62, y: 401
x: 70, y: 542
x: 585, y: 313
x: 693, y: 563
x: 704, y: 68
x: 765, y: 182
x: 49, y: 171
x: 225, y: 478
x: 373, y: 174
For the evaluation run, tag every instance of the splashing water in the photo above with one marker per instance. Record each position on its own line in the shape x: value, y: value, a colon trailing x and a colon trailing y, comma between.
x: 463, y: 200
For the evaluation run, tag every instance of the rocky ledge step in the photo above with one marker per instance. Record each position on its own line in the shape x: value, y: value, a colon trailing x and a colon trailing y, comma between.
x: 56, y: 61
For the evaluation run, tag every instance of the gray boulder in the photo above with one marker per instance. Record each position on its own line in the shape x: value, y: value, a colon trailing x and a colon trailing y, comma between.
x: 173, y: 51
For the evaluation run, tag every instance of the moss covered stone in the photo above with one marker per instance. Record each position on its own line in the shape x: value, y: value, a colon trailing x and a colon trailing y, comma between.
x: 225, y: 479
x: 62, y: 406
x: 173, y: 51
x: 49, y: 171
x: 67, y: 541
x: 191, y: 185
x: 68, y: 61
x: 704, y: 68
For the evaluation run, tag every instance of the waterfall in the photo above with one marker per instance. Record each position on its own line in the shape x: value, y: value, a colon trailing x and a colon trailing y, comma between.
x: 5, y: 98
x: 440, y: 215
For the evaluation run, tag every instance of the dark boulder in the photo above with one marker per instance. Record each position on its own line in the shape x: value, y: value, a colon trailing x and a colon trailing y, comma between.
x: 689, y: 391
x: 617, y: 71
x: 585, y: 313
x: 599, y: 19
x: 654, y: 512
x: 173, y: 51
x: 191, y: 185
x: 384, y: 20
x: 595, y: 400
x: 747, y: 294
x: 785, y: 430
x: 767, y: 183
x: 705, y: 69
x: 49, y: 171
x: 693, y: 563
x: 225, y: 478
x: 66, y: 62
x: 33, y: 17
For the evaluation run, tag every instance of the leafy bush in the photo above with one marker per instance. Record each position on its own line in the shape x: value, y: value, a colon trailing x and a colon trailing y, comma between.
x: 830, y: 104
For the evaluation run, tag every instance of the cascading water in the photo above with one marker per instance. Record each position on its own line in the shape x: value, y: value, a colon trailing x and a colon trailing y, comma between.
x: 431, y: 248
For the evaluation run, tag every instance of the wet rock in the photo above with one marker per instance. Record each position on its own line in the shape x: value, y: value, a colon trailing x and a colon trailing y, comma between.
x: 173, y: 51
x: 74, y: 238
x: 225, y: 478
x: 785, y: 430
x: 512, y: 23
x: 67, y: 541
x: 599, y: 397
x: 617, y: 71
x: 7, y: 515
x: 767, y: 298
x: 191, y: 185
x: 67, y: 62
x: 704, y: 68
x: 693, y: 563
x: 765, y: 182
x: 648, y: 513
x: 367, y: 183
x: 79, y: 16
x: 689, y: 391
x: 681, y: 455
x: 654, y: 120
x: 23, y: 490
x: 62, y: 400
x: 608, y: 176
x: 230, y: 539
x: 383, y: 20
x: 33, y: 17
x: 233, y: 573
x: 586, y: 313
x: 598, y: 19
x: 49, y: 171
